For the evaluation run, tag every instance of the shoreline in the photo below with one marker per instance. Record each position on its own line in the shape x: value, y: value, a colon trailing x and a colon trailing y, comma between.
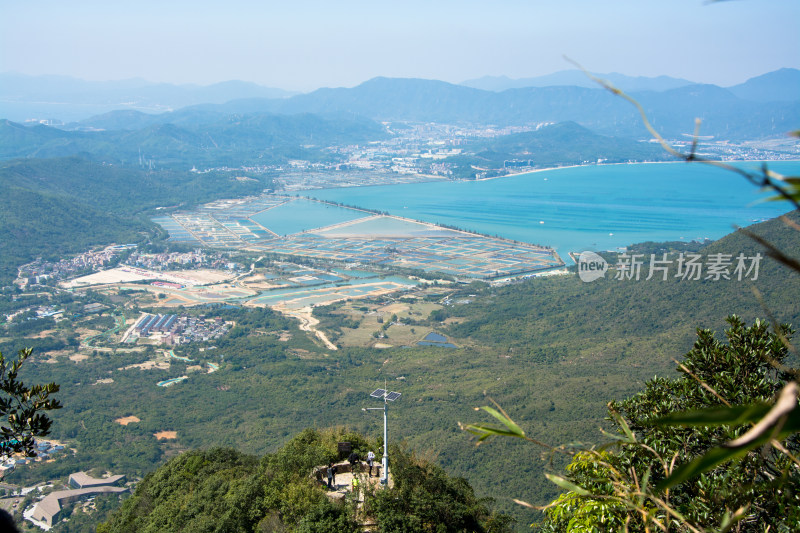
x: 731, y: 161
x: 439, y: 179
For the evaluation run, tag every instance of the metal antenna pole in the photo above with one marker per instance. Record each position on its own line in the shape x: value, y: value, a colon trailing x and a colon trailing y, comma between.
x: 385, y: 478
x: 387, y: 397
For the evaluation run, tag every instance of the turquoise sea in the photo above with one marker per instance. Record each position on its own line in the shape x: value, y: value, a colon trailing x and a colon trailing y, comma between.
x: 584, y: 208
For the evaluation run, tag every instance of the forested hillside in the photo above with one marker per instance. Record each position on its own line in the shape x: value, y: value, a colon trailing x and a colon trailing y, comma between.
x: 53, y: 207
x: 552, y: 351
x: 566, y: 143
x: 190, y: 138
x: 608, y: 314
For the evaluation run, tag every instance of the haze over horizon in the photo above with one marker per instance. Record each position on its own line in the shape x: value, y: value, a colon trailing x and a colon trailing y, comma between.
x: 311, y: 44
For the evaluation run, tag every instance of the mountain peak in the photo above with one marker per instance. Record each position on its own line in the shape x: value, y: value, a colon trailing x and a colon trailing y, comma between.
x: 782, y: 85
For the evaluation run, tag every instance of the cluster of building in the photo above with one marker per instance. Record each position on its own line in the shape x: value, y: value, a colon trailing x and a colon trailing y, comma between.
x: 174, y: 329
x: 39, y: 271
x: 44, y: 451
x: 46, y: 512
x: 402, y: 158
x: 441, y: 169
x: 42, y: 311
x: 407, y: 155
x: 769, y: 150
x: 156, y: 324
x: 196, y: 258
x: 344, y: 176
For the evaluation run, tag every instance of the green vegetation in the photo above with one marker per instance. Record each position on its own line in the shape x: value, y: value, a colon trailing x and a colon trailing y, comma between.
x: 224, y: 490
x: 760, y: 486
x: 41, y: 224
x: 192, y: 137
x: 425, y: 498
x: 21, y: 409
x: 566, y: 143
x: 517, y: 345
x: 611, y: 316
x: 54, y: 207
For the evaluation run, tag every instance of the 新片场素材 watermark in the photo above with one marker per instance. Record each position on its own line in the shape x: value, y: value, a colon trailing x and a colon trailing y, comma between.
x: 681, y: 266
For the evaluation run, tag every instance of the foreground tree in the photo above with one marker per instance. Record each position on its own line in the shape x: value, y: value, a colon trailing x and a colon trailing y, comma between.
x: 21, y: 409
x: 713, y: 450
x: 757, y: 489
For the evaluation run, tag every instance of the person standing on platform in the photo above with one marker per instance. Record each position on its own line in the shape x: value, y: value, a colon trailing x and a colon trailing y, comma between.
x: 370, y: 461
x: 331, y: 475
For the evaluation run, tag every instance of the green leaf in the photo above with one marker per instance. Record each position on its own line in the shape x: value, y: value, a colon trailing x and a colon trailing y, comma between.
x: 630, y: 438
x: 567, y: 485
x: 484, y: 432
x: 513, y: 428
x: 715, y: 416
x: 614, y: 436
x: 701, y: 464
x: 730, y: 520
x: 645, y: 482
x: 778, y: 422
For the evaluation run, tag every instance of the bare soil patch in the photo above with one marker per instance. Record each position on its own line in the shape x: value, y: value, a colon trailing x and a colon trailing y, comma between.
x: 166, y: 435
x: 43, y: 334
x: 394, y: 308
x: 125, y: 420
x: 149, y: 365
x: 201, y: 277
x: 78, y: 357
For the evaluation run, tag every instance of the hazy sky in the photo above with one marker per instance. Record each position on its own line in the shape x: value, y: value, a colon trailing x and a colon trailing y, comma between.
x: 306, y: 44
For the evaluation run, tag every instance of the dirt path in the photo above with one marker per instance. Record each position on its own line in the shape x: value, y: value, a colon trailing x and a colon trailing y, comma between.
x: 307, y: 323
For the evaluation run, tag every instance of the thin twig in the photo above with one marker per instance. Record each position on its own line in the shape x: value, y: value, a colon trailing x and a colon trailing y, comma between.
x: 789, y: 222
x: 773, y: 251
x: 702, y: 383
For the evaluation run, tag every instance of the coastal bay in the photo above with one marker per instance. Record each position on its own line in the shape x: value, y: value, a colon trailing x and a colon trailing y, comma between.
x: 596, y: 207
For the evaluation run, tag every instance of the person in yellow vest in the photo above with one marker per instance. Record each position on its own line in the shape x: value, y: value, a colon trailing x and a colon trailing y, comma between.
x: 356, y: 486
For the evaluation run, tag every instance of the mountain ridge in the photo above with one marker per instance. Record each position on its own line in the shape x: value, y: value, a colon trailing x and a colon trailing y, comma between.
x: 578, y: 78
x: 401, y: 99
x: 724, y: 114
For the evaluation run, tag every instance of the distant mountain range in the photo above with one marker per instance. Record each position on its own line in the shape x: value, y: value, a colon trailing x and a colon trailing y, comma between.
x: 576, y: 78
x: 489, y: 99
x: 779, y: 86
x: 724, y: 114
x: 67, y: 99
x: 766, y: 106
